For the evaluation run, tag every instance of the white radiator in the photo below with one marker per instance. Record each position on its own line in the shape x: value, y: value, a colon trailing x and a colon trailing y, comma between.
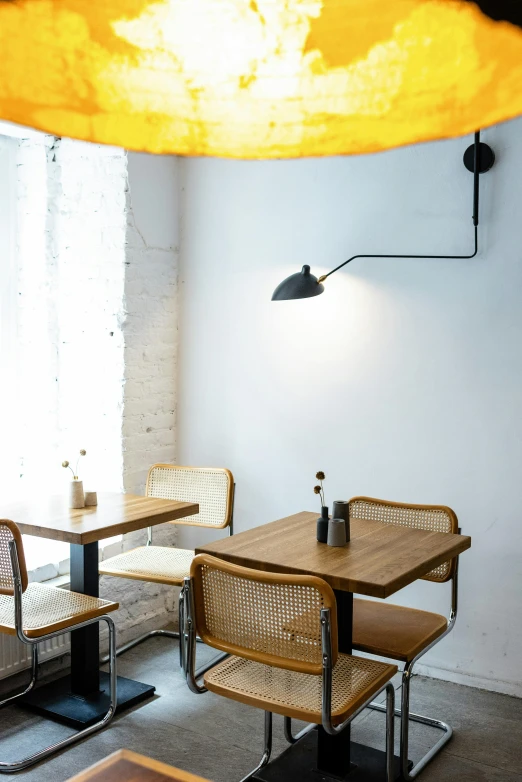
x: 16, y: 656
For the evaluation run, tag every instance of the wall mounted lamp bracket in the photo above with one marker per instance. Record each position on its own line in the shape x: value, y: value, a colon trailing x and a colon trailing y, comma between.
x: 486, y: 158
x: 478, y: 158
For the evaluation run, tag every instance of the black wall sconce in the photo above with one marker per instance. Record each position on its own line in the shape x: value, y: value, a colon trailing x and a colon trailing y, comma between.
x: 478, y: 158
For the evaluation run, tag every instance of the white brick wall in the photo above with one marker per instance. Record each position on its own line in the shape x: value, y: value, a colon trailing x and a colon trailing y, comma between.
x: 150, y: 351
x: 97, y: 276
x: 150, y: 329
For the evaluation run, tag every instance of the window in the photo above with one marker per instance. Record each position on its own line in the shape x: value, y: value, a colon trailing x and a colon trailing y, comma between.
x: 13, y: 395
x: 62, y: 268
x: 8, y: 464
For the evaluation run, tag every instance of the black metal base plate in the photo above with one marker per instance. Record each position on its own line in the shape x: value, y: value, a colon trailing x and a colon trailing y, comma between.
x: 55, y: 700
x: 297, y: 764
x: 486, y: 158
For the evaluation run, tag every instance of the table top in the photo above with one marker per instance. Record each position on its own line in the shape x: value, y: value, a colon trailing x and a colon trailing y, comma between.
x: 379, y: 560
x: 127, y: 766
x: 115, y: 514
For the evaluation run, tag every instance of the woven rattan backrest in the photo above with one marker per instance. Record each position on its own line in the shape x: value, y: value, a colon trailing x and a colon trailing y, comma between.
x: 248, y: 613
x: 211, y: 487
x: 434, y: 518
x: 9, y: 531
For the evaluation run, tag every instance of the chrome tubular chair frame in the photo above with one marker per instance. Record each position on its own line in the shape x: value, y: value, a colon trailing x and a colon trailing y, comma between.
x: 18, y: 765
x: 288, y: 731
x: 404, y: 712
x: 154, y: 634
x: 327, y: 676
x: 168, y: 633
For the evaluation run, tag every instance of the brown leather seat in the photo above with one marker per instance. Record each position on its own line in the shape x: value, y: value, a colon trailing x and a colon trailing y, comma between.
x: 394, y: 631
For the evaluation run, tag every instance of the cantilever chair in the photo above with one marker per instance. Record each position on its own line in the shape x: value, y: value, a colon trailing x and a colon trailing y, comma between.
x: 35, y: 613
x: 406, y: 634
x: 213, y: 489
x: 243, y: 613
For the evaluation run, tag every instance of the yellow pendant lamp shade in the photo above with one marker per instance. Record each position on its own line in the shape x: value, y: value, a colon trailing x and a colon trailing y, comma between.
x: 257, y: 78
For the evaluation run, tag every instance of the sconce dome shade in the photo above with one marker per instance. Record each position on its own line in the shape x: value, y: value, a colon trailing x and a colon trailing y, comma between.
x: 302, y: 285
x: 258, y: 78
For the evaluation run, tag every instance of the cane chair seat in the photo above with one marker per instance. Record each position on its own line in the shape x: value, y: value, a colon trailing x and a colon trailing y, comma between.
x: 159, y: 564
x: 211, y: 487
x: 298, y: 695
x: 46, y: 609
x: 394, y: 631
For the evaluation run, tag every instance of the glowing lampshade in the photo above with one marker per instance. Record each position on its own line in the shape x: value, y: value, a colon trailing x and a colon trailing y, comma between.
x: 258, y: 78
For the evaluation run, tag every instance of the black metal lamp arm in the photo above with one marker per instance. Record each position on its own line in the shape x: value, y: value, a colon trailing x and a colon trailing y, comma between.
x: 478, y: 166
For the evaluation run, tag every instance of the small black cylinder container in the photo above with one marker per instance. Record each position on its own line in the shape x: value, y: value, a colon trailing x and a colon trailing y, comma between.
x: 322, y: 525
x: 341, y: 510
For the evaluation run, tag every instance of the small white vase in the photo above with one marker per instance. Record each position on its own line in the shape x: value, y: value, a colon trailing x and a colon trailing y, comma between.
x: 76, y: 496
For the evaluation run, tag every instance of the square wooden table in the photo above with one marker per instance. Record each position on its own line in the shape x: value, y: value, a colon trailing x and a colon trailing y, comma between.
x: 127, y: 766
x: 81, y: 699
x: 379, y: 560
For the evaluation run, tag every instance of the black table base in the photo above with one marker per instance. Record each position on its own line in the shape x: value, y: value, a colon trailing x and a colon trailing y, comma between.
x: 55, y: 700
x: 299, y: 762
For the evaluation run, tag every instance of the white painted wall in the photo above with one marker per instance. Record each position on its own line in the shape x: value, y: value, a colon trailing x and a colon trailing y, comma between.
x: 403, y: 381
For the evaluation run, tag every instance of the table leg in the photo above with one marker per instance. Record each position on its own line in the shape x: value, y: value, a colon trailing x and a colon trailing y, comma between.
x: 82, y: 699
x: 85, y: 643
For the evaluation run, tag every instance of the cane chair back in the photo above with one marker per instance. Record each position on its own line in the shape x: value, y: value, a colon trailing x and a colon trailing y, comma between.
x: 433, y: 518
x: 211, y: 487
x: 245, y: 612
x: 8, y: 532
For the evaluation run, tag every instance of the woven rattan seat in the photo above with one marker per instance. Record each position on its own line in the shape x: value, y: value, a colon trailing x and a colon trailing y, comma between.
x: 211, y: 488
x: 46, y: 609
x: 244, y: 612
x: 298, y: 695
x: 37, y: 613
x: 158, y: 564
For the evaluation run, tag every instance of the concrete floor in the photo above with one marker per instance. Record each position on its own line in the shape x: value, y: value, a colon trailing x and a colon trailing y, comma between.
x: 222, y: 740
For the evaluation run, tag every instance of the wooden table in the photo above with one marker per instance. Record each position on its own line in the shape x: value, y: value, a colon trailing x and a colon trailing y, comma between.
x: 127, y: 766
x: 81, y: 699
x: 379, y: 560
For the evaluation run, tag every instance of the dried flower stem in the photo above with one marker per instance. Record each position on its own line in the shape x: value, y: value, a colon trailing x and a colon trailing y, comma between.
x: 320, y: 476
x: 66, y: 464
